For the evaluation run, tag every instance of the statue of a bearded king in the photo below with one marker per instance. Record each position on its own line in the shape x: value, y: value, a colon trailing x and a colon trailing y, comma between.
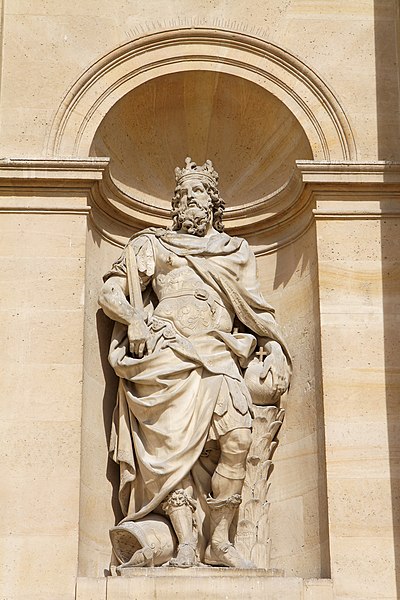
x: 189, y: 316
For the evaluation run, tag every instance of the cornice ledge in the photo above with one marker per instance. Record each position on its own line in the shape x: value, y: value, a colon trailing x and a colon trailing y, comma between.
x: 337, y: 172
x: 47, y: 172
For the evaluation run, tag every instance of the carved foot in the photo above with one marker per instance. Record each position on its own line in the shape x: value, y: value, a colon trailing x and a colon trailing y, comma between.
x: 186, y: 556
x: 226, y: 555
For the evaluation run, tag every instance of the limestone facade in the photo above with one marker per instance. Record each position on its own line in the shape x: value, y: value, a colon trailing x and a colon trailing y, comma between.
x: 297, y: 104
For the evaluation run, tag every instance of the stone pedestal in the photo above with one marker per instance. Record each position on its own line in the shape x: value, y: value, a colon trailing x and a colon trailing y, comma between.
x: 200, y: 583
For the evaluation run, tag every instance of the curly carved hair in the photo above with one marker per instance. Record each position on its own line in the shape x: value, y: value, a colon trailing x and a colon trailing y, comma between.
x: 218, y: 206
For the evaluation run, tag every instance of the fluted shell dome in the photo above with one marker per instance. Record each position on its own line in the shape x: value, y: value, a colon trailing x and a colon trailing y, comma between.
x: 252, y: 137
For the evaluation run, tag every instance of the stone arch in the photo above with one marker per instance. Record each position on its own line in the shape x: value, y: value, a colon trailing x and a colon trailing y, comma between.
x: 305, y: 94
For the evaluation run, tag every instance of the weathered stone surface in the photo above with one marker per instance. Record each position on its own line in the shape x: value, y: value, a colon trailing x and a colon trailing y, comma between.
x: 315, y: 81
x: 217, y: 583
x: 182, y: 422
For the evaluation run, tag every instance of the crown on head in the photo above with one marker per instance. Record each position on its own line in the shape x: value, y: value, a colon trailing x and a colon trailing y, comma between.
x: 191, y: 169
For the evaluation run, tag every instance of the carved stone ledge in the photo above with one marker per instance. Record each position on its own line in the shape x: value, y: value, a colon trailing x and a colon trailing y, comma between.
x: 32, y: 170
x: 351, y: 190
x: 37, y: 185
x: 335, y: 172
x: 216, y: 583
x: 317, y: 189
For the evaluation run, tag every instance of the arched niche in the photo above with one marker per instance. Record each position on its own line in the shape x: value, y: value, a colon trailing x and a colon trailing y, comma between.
x: 252, y: 136
x: 147, y: 123
x: 197, y: 49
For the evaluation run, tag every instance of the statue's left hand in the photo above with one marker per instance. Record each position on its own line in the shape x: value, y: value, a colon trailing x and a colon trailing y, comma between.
x: 276, y: 364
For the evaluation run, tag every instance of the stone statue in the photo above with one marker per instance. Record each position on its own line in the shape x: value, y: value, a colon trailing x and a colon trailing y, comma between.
x: 181, y: 345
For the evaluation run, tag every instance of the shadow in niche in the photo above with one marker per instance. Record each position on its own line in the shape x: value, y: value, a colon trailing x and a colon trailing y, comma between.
x: 283, y: 275
x: 298, y: 262
x: 320, y: 423
x: 387, y: 40
x: 104, y: 328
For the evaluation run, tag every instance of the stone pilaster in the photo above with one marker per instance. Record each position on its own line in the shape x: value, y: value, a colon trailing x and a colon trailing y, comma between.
x: 44, y: 208
x: 357, y: 222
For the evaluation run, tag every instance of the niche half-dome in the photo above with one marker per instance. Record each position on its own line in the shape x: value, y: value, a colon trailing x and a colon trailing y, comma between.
x: 252, y: 137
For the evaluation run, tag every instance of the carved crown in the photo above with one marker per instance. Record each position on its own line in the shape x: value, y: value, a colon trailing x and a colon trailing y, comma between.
x: 191, y: 169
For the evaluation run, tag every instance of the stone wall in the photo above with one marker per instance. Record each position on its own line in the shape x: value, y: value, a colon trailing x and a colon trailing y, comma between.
x: 255, y: 88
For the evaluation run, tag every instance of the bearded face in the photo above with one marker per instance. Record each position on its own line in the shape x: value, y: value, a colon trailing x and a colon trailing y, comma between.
x: 194, y: 208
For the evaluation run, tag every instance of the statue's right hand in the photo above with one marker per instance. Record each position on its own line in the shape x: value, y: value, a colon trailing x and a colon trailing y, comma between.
x: 138, y: 334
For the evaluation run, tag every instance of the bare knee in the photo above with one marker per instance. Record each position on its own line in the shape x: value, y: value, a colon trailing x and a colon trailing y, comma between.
x: 235, y: 446
x: 237, y: 441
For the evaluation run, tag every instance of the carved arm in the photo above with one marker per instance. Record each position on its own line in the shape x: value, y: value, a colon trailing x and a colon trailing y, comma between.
x: 112, y: 300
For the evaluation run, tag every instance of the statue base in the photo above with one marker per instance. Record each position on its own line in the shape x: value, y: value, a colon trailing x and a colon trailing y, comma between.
x: 199, y: 583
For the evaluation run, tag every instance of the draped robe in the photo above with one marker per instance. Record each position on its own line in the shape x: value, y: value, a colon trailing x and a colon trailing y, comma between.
x: 170, y: 401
